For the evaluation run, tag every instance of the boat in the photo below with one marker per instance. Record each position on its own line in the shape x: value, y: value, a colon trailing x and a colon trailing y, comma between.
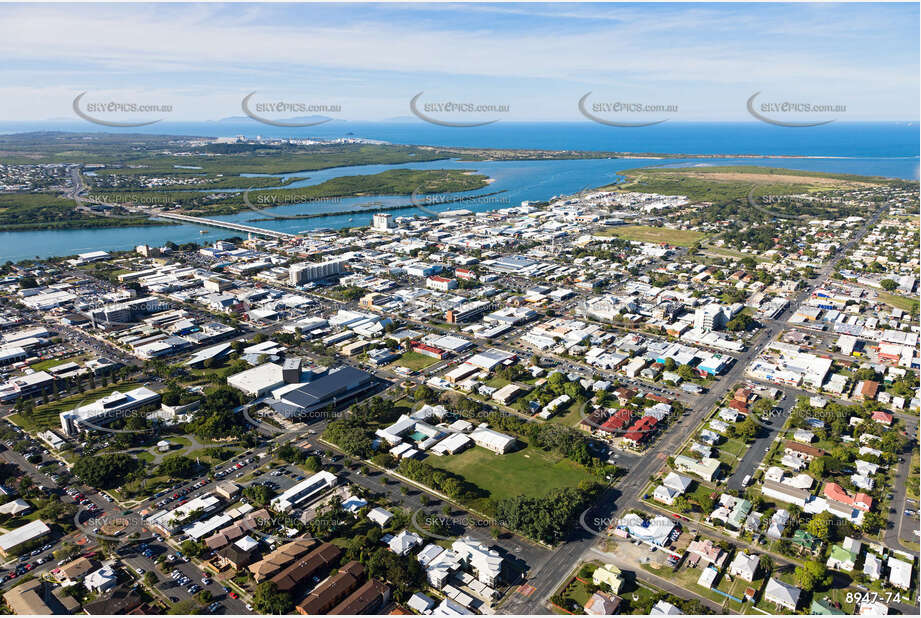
x: 202, y: 231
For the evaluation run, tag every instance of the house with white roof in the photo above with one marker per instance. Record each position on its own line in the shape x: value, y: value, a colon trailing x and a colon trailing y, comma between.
x: 781, y: 594
x: 404, y: 542
x: 744, y: 566
x: 899, y: 573
x: 380, y: 516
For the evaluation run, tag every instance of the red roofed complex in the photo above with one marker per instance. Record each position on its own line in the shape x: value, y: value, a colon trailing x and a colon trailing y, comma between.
x: 616, y: 422
x: 835, y: 492
x: 640, y: 430
x: 428, y: 350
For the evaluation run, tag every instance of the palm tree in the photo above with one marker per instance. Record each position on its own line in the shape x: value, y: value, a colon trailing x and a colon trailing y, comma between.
x: 767, y: 564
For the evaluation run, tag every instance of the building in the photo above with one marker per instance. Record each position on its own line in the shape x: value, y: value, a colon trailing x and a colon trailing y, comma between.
x: 405, y: 542
x: 468, y: 312
x: 494, y: 441
x: 336, y: 388
x: 710, y: 317
x: 258, y: 380
x: 296, y: 575
x: 308, y: 489
x: 486, y: 563
x: 382, y: 221
x: 100, y: 412
x: 23, y: 534
x: 507, y: 394
x: 744, y: 566
x: 380, y: 516
x: 841, y: 559
x: 803, y: 451
x: 860, y: 501
x: 610, y: 576
x: 664, y: 608
x: 313, y: 271
x: 333, y: 591
x: 37, y: 598
x: 273, y: 562
x: 193, y: 510
x: 26, y: 386
x: 101, y: 580
x: 785, y: 493
x: 706, y: 468
x: 368, y: 599
x: 442, y: 284
x: 708, y: 551
x: 781, y: 594
x: 899, y: 573
x: 602, y: 604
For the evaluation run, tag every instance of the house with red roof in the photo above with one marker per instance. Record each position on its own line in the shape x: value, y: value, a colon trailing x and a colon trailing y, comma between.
x: 738, y: 406
x: 860, y: 501
x: 867, y: 389
x: 883, y: 418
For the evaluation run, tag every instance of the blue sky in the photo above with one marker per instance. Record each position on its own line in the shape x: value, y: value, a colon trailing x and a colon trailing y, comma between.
x: 538, y: 59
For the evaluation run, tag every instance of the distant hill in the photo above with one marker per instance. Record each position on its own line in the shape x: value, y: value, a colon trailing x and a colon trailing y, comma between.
x: 305, y: 119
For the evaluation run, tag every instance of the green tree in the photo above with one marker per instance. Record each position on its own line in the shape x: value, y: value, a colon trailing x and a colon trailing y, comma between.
x: 811, y: 575
x: 107, y: 471
x: 820, y: 525
x: 268, y: 600
x: 888, y: 284
x: 178, y: 466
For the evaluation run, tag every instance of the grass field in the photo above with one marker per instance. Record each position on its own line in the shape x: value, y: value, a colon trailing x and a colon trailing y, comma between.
x: 415, y: 361
x: 899, y: 302
x: 645, y: 233
x: 529, y: 472
x: 48, y: 416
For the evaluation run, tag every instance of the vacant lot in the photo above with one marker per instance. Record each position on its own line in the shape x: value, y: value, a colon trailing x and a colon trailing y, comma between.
x: 899, y: 302
x: 529, y: 472
x: 645, y: 233
x: 415, y: 361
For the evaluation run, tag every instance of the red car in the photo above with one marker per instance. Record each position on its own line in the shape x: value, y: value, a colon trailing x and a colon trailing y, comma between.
x: 233, y: 595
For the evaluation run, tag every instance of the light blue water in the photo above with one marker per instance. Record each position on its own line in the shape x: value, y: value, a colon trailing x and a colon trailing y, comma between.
x: 879, y: 149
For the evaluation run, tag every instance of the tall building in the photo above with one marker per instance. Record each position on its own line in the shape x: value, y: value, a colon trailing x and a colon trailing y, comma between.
x: 382, y: 221
x: 710, y: 317
x: 312, y: 271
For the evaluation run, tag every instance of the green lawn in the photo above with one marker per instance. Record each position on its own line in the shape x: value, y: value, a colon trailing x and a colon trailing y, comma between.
x: 569, y: 415
x: 687, y: 579
x: 645, y: 233
x: 209, y: 459
x: 415, y: 361
x: 54, y: 362
x: 48, y: 416
x: 530, y: 471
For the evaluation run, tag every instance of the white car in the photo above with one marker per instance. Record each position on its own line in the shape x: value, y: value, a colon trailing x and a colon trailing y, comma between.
x: 139, y: 570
